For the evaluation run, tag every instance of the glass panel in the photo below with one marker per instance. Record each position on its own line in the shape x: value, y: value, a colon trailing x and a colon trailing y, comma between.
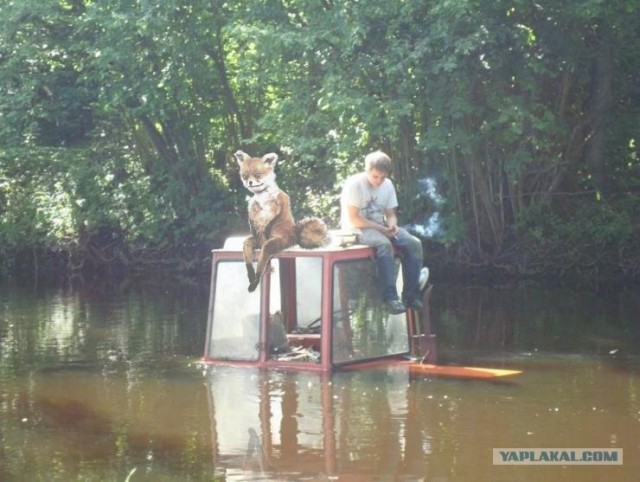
x: 235, y: 329
x: 362, y: 326
x: 309, y: 291
x: 275, y: 297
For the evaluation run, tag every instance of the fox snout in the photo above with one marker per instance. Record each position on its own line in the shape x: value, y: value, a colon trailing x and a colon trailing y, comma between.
x: 254, y: 180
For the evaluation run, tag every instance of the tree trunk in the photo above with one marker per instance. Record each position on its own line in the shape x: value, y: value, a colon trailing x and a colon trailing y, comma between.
x: 599, y: 105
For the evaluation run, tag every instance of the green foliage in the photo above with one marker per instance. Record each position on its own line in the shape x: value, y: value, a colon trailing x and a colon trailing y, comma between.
x: 596, y: 239
x: 35, y: 207
x: 512, y: 107
x: 83, y: 201
x: 45, y: 101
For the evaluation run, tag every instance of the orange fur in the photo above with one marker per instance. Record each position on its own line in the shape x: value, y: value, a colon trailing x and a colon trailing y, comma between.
x: 272, y: 226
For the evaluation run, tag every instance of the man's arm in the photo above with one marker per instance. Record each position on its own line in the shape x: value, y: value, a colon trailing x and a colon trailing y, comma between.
x: 357, y: 220
x: 391, y: 219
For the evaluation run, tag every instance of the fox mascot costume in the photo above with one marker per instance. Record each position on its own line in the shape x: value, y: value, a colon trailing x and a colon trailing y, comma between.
x: 270, y: 220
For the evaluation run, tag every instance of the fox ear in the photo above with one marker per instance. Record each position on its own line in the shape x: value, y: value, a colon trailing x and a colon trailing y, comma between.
x: 270, y: 158
x: 241, y: 156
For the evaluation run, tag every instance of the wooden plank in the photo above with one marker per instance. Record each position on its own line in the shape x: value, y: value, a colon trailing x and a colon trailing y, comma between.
x: 460, y: 371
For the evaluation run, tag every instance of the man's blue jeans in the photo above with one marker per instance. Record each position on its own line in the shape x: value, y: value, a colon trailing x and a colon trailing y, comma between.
x: 410, y: 249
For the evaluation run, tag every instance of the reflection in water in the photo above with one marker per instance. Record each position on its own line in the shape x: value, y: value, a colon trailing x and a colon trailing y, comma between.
x: 527, y: 318
x: 313, y: 425
x: 94, y: 386
x: 385, y: 425
x: 83, y: 425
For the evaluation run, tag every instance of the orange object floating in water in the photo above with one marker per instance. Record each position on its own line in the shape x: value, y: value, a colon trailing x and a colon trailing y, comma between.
x: 460, y: 371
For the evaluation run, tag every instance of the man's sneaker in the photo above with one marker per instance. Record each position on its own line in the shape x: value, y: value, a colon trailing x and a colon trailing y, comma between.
x: 424, y: 277
x: 395, y: 306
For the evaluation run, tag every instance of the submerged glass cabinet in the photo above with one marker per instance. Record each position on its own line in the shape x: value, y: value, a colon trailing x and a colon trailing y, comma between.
x: 315, y: 309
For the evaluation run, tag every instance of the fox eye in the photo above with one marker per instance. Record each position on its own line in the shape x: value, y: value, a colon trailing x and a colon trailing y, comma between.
x: 257, y: 175
x: 245, y: 176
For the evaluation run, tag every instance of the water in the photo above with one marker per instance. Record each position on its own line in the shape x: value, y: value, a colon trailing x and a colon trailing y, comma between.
x: 102, y: 385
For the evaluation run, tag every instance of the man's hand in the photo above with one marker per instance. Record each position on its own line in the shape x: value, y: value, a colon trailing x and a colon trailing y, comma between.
x: 392, y: 231
x: 392, y: 223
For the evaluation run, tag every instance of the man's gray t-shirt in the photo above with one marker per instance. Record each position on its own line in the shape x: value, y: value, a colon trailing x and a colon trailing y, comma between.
x: 372, y: 201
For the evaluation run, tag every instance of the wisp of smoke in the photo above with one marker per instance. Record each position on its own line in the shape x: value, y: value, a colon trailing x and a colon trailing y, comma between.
x: 431, y: 225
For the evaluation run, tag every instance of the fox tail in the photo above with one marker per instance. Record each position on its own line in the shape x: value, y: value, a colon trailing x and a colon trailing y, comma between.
x: 311, y: 233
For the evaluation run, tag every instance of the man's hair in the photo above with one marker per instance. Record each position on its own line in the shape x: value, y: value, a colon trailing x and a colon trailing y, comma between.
x: 379, y: 161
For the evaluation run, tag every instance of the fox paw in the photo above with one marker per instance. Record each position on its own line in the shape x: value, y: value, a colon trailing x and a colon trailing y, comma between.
x: 253, y: 285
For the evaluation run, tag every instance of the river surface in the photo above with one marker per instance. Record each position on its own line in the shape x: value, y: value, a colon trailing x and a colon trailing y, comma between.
x: 105, y: 384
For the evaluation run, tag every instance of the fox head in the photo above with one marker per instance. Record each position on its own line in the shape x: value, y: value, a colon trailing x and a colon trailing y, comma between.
x: 257, y: 173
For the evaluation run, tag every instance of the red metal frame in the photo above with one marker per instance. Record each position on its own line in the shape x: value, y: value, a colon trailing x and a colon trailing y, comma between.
x: 330, y: 256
